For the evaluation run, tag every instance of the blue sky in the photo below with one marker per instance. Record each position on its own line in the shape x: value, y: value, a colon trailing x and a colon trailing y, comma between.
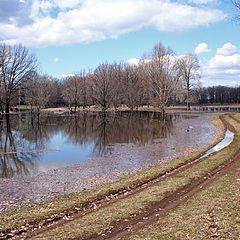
x: 68, y: 36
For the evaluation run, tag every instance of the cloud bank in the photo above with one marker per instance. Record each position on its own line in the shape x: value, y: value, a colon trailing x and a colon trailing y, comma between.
x: 60, y: 22
x: 224, y: 67
x: 202, y: 1
x: 202, y: 48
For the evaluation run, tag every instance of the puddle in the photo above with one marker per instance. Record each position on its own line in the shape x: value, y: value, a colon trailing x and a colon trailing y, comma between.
x: 228, y: 138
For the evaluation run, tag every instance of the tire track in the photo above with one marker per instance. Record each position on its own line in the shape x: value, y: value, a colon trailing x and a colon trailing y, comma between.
x: 108, y: 200
x: 124, y: 230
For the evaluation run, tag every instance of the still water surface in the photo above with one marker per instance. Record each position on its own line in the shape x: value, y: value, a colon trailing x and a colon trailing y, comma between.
x: 27, y: 148
x: 66, y: 154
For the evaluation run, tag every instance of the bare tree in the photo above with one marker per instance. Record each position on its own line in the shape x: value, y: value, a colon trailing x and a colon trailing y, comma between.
x: 188, y: 67
x: 103, y: 86
x: 71, y: 92
x: 132, y: 86
x: 75, y: 90
x: 55, y: 99
x: 39, y: 92
x: 84, y: 88
x: 1, y: 99
x: 161, y: 75
x: 117, y: 84
x: 16, y: 68
x: 236, y: 4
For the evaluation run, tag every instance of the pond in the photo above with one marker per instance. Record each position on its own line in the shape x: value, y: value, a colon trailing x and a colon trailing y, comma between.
x: 28, y: 148
x: 68, y: 153
x: 216, y: 109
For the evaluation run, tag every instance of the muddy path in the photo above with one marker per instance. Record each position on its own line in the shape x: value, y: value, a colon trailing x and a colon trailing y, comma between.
x: 148, y: 217
x: 123, y: 230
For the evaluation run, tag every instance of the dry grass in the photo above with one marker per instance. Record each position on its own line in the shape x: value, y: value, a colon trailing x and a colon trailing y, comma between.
x: 213, y: 213
x: 104, y: 218
x: 237, y: 116
x: 124, y: 209
x: 125, y: 108
x: 38, y: 212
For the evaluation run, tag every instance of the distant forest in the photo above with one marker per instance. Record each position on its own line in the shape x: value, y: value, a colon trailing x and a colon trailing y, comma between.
x: 216, y: 95
x: 160, y: 78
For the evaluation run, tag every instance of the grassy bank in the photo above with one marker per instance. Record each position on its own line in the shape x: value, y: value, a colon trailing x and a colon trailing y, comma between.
x: 64, y: 204
x: 213, y: 213
x: 123, y: 210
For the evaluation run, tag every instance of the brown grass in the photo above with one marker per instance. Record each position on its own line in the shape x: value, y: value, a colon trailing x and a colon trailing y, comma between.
x: 213, y: 213
x: 18, y: 218
x: 104, y: 218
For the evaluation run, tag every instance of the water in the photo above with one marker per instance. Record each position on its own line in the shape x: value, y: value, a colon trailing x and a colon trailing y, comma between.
x: 28, y: 148
x: 67, y: 154
x: 228, y: 138
x: 216, y: 109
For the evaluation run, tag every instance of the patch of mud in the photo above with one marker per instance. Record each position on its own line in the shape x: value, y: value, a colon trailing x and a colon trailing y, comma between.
x: 191, y: 134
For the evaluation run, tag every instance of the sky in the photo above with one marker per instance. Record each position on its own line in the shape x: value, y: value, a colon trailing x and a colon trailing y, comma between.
x: 68, y: 36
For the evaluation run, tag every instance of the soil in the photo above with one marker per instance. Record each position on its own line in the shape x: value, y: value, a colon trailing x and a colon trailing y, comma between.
x: 159, y: 209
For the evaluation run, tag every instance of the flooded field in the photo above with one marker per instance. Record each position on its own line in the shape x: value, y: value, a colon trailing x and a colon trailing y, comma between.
x: 216, y: 109
x: 68, y: 153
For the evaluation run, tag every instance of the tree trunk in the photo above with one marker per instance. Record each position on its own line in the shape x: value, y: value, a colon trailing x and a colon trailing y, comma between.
x: 188, y: 101
x: 162, y: 111
x: 7, y: 107
x: 104, y: 107
x: 1, y: 109
x: 38, y: 116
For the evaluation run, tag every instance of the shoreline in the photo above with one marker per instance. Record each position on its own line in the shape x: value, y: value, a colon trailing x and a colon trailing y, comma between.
x: 169, y: 109
x: 127, y: 159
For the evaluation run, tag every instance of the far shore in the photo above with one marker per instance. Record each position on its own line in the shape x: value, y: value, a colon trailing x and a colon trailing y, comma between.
x: 94, y: 108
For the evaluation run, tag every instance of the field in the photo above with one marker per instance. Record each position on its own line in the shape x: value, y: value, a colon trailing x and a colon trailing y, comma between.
x: 190, y: 198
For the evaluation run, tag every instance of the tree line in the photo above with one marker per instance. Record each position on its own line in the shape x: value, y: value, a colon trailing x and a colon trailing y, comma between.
x: 160, y: 78
x: 216, y: 95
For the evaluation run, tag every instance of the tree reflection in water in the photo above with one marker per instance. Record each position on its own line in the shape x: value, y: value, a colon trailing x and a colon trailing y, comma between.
x: 140, y: 128
x: 15, y: 161
x: 20, y: 134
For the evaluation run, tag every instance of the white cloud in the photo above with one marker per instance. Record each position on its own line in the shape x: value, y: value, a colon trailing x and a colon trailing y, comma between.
x: 227, y: 50
x: 221, y: 61
x: 202, y: 1
x: 224, y: 67
x: 45, y: 6
x: 64, y: 4
x: 68, y: 75
x: 56, y: 60
x: 202, y: 48
x: 133, y: 61
x: 61, y: 22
